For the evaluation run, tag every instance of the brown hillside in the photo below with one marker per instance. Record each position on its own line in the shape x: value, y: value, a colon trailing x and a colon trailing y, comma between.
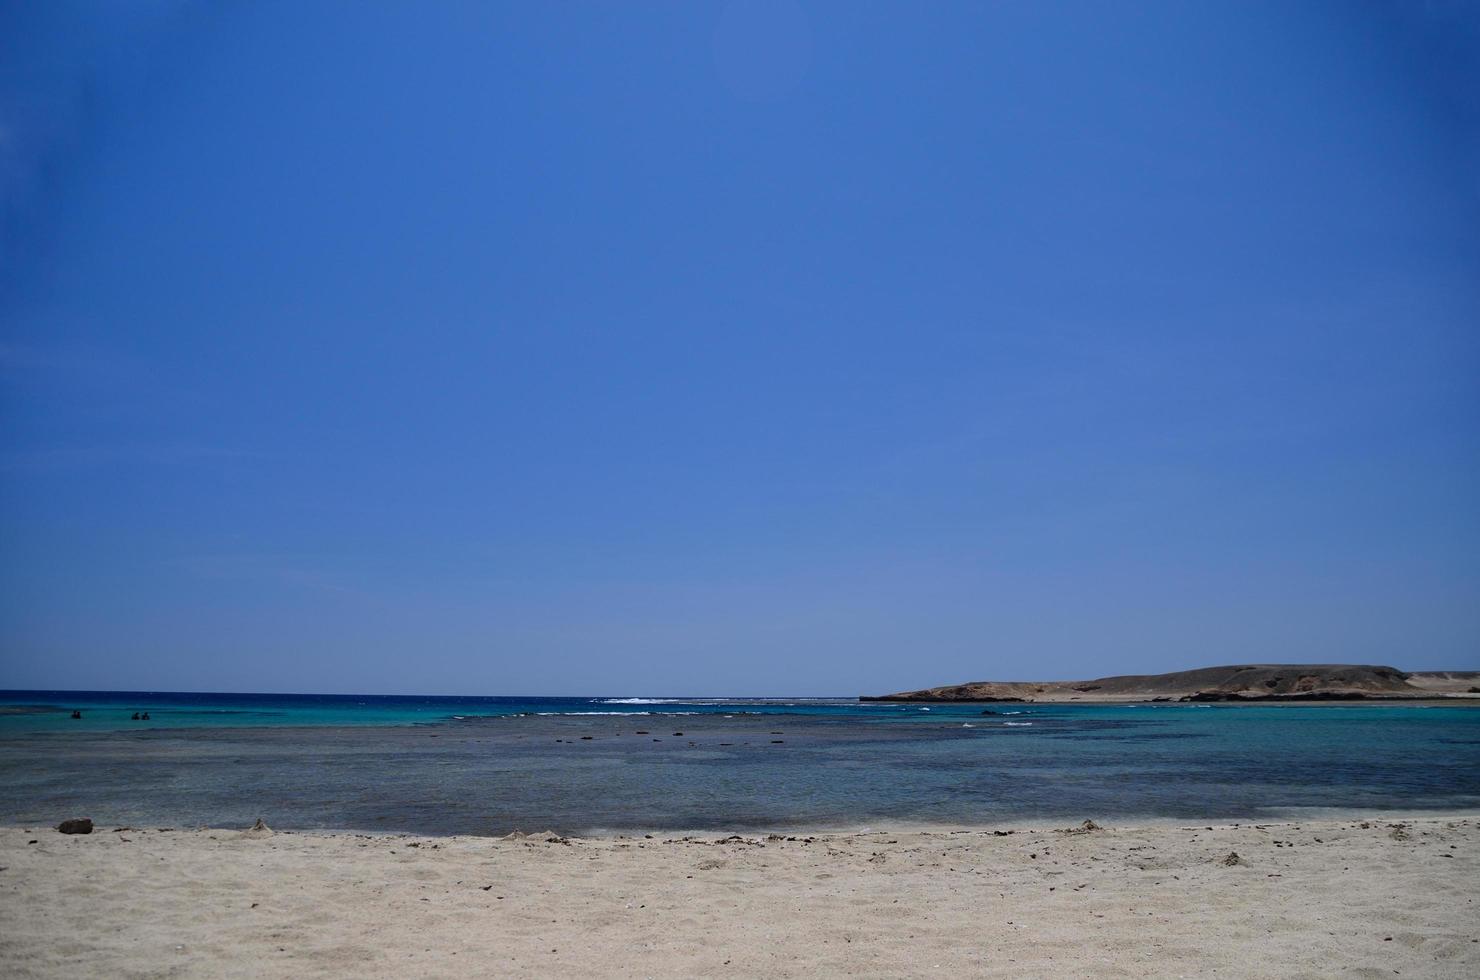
x: 1234, y: 682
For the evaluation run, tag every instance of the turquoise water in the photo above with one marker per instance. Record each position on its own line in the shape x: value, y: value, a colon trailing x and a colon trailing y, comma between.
x: 50, y: 711
x: 581, y: 765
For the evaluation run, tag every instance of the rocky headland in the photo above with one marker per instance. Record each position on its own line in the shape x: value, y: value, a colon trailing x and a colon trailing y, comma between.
x: 1238, y: 682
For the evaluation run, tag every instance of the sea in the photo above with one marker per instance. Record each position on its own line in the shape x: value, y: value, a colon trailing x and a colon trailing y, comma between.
x: 630, y: 765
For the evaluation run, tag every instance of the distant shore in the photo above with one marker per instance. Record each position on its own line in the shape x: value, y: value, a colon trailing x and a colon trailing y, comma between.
x: 1379, y: 897
x: 1235, y: 684
x: 1335, y: 701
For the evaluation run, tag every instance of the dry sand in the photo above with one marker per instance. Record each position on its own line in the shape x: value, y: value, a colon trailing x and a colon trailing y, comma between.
x: 1382, y: 898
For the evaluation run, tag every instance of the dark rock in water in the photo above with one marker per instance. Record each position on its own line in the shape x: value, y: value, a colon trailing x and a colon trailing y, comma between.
x: 76, y: 714
x: 989, y: 711
x: 1304, y: 696
x: 959, y: 693
x: 79, y: 826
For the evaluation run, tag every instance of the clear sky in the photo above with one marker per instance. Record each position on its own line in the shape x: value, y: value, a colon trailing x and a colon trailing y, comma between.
x: 758, y: 349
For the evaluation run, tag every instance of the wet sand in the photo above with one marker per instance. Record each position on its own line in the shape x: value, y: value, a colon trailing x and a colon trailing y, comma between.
x: 1375, y: 898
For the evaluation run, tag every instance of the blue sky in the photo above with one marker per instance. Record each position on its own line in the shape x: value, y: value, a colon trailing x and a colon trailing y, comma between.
x: 750, y: 349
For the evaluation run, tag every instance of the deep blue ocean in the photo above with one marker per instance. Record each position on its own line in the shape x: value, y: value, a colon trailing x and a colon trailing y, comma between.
x: 599, y: 764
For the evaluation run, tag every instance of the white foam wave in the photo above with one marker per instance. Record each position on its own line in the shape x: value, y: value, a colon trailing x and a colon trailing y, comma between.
x: 637, y: 701
x: 1018, y: 724
x: 613, y: 714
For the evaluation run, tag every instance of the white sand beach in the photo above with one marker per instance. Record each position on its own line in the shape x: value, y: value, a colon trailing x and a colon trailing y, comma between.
x: 1373, y: 898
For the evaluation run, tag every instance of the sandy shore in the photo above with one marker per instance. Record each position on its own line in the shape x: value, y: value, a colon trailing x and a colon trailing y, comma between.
x: 1380, y: 898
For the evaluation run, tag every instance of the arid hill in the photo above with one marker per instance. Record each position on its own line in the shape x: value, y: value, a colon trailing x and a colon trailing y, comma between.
x: 1447, y: 681
x: 1240, y: 682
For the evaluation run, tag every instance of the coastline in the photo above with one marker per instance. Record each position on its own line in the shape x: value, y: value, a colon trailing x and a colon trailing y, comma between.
x: 1424, y: 701
x: 1361, y: 896
x: 1230, y: 683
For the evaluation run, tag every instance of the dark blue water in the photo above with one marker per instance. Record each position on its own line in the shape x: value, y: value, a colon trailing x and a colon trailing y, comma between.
x: 581, y: 765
